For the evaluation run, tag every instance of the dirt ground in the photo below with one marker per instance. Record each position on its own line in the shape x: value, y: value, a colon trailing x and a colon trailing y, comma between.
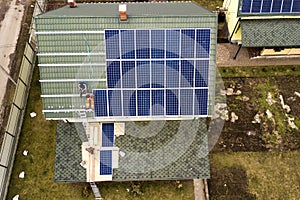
x: 243, y: 134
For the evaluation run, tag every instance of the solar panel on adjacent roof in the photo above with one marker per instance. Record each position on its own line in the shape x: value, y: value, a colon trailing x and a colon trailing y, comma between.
x: 105, y: 162
x: 108, y: 135
x: 270, y: 6
x: 155, y: 73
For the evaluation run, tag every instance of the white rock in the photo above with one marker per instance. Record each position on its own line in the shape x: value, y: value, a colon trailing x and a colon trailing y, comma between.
x: 249, y: 133
x: 32, y: 114
x: 269, y: 114
x: 221, y: 111
x: 22, y: 174
x: 269, y: 99
x: 122, y: 153
x: 229, y: 91
x: 127, y: 189
x: 16, y: 197
x: 234, y: 117
x: 256, y: 119
x: 297, y: 94
x: 238, y: 92
x: 284, y: 106
x: 291, y: 122
x: 245, y: 98
x: 25, y: 153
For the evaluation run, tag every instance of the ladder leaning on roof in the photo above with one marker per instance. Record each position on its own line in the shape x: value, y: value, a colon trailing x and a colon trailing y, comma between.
x: 96, y: 191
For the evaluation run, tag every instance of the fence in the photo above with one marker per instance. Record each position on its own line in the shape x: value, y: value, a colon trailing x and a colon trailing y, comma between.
x: 15, y: 120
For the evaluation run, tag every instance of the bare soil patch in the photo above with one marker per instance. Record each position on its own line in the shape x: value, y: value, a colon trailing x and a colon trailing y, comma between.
x: 243, y: 134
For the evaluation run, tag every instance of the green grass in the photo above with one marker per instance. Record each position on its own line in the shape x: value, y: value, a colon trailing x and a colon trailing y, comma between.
x: 270, y: 175
x: 259, y: 71
x: 38, y: 137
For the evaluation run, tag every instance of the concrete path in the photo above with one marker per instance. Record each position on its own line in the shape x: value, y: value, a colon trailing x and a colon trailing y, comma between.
x: 9, y: 31
x: 199, y: 189
x: 226, y: 52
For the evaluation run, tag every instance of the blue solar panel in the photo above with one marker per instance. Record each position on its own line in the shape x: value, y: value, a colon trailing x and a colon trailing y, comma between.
x: 157, y: 74
x: 296, y: 6
x: 113, y: 74
x: 187, y: 43
x: 201, y: 73
x: 129, y: 102
x: 108, y: 135
x: 172, y: 43
x: 105, y: 162
x: 270, y: 6
x: 152, y: 72
x: 172, y: 102
x: 185, y: 103
x: 172, y: 73
x: 158, y: 102
x: 127, y: 44
x: 143, y: 102
x: 187, y: 73
x: 112, y: 44
x: 114, y: 102
x: 203, y: 41
x: 201, y: 98
x: 100, y: 102
x: 157, y: 45
x: 142, y: 44
x: 128, y: 74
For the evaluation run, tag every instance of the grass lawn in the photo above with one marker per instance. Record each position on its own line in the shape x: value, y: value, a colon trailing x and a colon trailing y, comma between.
x: 38, y: 137
x: 270, y: 175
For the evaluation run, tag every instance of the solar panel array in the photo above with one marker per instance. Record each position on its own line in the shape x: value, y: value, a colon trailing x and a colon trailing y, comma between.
x: 155, y: 73
x: 108, y: 135
x: 270, y: 6
x: 106, y: 162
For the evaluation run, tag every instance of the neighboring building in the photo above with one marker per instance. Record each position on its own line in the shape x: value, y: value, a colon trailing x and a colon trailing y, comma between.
x: 104, y: 66
x: 270, y: 25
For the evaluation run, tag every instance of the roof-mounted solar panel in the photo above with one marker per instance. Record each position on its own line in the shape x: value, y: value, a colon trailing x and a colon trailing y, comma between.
x: 159, y: 72
x: 269, y: 7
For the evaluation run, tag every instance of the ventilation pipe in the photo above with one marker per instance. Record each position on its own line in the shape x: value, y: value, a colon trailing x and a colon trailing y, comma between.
x: 123, y: 12
x: 72, y: 3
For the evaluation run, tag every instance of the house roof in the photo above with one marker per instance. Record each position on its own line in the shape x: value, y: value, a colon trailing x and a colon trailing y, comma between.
x: 270, y: 33
x: 178, y: 150
x: 144, y: 9
x: 71, y: 46
x: 68, y: 153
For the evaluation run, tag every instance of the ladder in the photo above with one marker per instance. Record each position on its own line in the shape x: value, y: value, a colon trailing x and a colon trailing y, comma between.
x: 96, y: 191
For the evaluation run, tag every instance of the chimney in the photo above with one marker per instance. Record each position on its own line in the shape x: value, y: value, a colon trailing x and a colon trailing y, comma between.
x: 72, y: 3
x: 123, y: 12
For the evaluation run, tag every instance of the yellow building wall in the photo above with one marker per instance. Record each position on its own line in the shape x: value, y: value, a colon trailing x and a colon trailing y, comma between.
x: 286, y: 51
x: 232, y: 20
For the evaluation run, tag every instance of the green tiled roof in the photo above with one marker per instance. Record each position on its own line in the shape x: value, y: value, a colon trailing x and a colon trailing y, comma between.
x: 68, y: 153
x: 157, y: 157
x: 133, y: 9
x: 271, y: 33
x: 166, y: 150
x: 60, y: 74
